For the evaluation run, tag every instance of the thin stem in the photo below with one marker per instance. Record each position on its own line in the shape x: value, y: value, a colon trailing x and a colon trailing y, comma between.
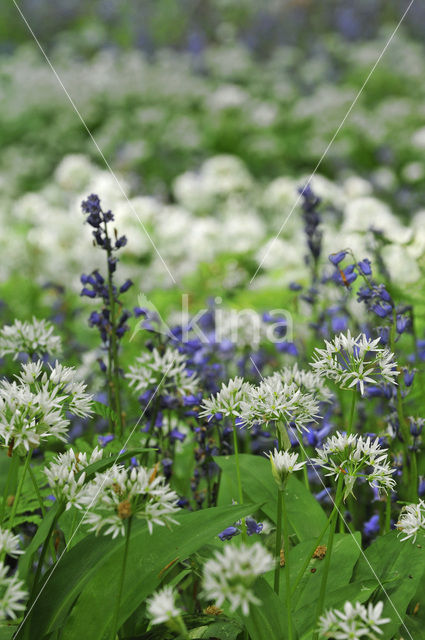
x: 121, y: 583
x: 322, y: 593
x: 387, y: 525
x: 182, y: 628
x: 42, y: 508
x: 286, y: 553
x: 19, y: 490
x: 352, y: 409
x: 278, y: 545
x: 12, y: 466
x: 305, y: 472
x: 238, y: 476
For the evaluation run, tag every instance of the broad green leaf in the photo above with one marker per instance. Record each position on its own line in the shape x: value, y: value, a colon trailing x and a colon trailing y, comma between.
x: 266, y: 621
x: 92, y: 567
x: 105, y: 463
x: 306, y: 516
x: 42, y: 532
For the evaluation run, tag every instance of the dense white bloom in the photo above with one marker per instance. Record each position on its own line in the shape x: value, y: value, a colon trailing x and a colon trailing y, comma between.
x: 307, y: 381
x: 12, y: 593
x: 352, y: 362
x: 161, y: 607
x: 167, y: 371
x: 227, y: 401
x: 353, y: 622
x: 119, y: 493
x: 356, y: 457
x: 273, y: 399
x: 29, y: 337
x: 230, y: 575
x: 9, y: 543
x: 34, y: 408
x: 412, y: 520
x: 283, y: 463
x: 62, y: 471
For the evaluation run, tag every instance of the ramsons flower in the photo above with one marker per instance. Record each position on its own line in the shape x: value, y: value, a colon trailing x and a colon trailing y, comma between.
x: 231, y: 574
x: 161, y: 607
x: 227, y: 401
x: 35, y: 337
x: 62, y: 474
x: 12, y: 593
x: 412, y: 520
x: 353, y: 622
x: 119, y: 493
x: 167, y: 371
x: 352, y: 362
x: 356, y: 458
x: 283, y: 463
x: 9, y: 543
x: 34, y: 407
x: 307, y: 382
x: 273, y: 399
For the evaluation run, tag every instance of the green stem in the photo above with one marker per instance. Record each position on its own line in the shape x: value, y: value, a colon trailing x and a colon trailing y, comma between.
x: 42, y: 508
x: 19, y: 490
x: 184, y: 633
x: 322, y: 593
x: 352, y: 409
x: 238, y: 476
x: 286, y: 553
x: 121, y: 582
x: 305, y: 472
x: 283, y: 438
x: 278, y: 545
x: 11, y: 471
x: 387, y: 525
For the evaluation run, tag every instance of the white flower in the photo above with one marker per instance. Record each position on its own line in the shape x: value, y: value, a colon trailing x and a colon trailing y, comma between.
x: 276, y: 400
x: 283, y: 463
x: 356, y: 457
x: 34, y: 408
x: 161, y: 607
x: 307, y: 381
x: 412, y: 520
x: 119, y: 493
x: 11, y: 594
x: 29, y: 337
x: 230, y: 575
x: 351, y: 362
x: 9, y: 543
x: 169, y: 371
x: 62, y: 471
x: 227, y: 401
x: 353, y: 623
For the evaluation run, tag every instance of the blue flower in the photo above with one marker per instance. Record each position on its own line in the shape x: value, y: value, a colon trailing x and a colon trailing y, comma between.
x: 229, y: 533
x: 365, y: 266
x: 336, y: 258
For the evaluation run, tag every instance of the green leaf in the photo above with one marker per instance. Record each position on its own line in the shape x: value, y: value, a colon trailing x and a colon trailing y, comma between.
x: 105, y: 412
x: 105, y: 463
x: 42, y: 532
x: 306, y: 516
x: 92, y: 566
x: 266, y: 621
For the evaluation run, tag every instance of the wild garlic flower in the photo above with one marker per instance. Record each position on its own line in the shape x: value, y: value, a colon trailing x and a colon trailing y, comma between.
x: 34, y: 408
x: 283, y: 463
x: 352, y: 362
x: 276, y: 400
x: 355, y: 458
x: 120, y: 493
x: 227, y: 401
x: 353, y: 622
x: 9, y: 543
x: 167, y: 371
x: 412, y: 520
x: 62, y: 471
x: 307, y: 382
x: 12, y: 593
x: 35, y: 337
x: 161, y: 607
x: 231, y: 574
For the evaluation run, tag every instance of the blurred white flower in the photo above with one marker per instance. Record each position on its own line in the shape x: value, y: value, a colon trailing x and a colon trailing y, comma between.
x: 353, y: 622
x: 161, y: 607
x: 412, y: 520
x: 12, y: 592
x: 227, y: 401
x: 62, y: 471
x: 9, y: 543
x: 167, y: 371
x: 35, y: 337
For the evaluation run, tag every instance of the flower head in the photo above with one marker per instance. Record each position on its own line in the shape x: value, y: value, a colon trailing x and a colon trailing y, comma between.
x: 119, y: 493
x: 161, y: 607
x: 307, y: 382
x: 227, y: 401
x: 356, y: 458
x: 35, y: 337
x: 62, y: 471
x: 283, y: 463
x: 230, y: 575
x: 9, y: 543
x: 167, y: 371
x: 412, y: 520
x: 352, y: 362
x: 353, y: 622
x: 11, y: 594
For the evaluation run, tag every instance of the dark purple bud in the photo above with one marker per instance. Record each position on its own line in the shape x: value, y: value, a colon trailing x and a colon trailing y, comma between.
x: 121, y: 242
x: 229, y: 533
x: 365, y: 266
x: 408, y: 377
x: 126, y: 286
x: 336, y: 258
x: 402, y: 323
x: 88, y: 292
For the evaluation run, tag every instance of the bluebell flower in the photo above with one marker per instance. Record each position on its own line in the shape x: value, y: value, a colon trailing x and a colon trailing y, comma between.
x: 104, y: 440
x: 402, y: 323
x: 229, y: 533
x: 338, y: 257
x: 371, y: 527
x: 294, y: 286
x: 365, y: 266
x: 408, y: 376
x: 252, y: 527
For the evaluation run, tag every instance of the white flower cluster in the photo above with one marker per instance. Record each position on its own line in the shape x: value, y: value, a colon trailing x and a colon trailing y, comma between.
x: 228, y: 400
x: 161, y: 607
x: 412, y: 520
x: 307, y: 381
x: 9, y: 543
x: 351, y: 362
x: 166, y: 371
x: 62, y: 471
x: 274, y: 399
x: 35, y: 337
x: 230, y: 575
x: 356, y: 458
x: 12, y: 592
x: 33, y: 408
x: 353, y: 622
x: 283, y: 463
x: 120, y: 493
